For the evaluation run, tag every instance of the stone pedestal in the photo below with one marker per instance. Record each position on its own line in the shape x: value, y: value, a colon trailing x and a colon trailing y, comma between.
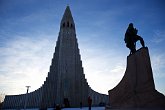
x: 137, y: 89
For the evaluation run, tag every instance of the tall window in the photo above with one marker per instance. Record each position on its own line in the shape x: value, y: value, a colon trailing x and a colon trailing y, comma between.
x: 68, y: 24
x: 63, y: 24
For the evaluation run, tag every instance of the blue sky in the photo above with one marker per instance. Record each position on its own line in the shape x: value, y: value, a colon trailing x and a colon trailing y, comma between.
x: 29, y: 31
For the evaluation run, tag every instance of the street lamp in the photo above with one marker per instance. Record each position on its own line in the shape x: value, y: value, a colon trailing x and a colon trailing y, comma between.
x: 26, y: 97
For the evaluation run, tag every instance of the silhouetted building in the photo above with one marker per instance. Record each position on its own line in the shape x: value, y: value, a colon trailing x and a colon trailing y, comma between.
x: 65, y: 84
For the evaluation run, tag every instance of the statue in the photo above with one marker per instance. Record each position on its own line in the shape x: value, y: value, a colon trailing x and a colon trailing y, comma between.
x: 131, y: 38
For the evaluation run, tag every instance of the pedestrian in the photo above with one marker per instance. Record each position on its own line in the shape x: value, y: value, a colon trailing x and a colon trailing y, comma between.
x: 89, y: 102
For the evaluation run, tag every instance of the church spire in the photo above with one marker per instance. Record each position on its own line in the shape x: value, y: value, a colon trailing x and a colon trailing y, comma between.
x: 67, y: 20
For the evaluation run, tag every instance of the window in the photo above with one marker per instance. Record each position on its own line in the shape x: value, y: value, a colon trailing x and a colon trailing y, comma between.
x: 68, y: 24
x: 63, y: 24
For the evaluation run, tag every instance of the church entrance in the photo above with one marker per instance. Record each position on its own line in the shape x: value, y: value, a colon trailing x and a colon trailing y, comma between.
x: 66, y: 102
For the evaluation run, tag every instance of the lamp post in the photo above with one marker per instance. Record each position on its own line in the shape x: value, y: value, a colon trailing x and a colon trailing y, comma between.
x: 26, y: 97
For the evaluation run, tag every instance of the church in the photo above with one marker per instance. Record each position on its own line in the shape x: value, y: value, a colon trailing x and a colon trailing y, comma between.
x: 65, y: 84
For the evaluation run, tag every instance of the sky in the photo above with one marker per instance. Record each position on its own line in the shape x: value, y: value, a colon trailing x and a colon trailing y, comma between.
x: 29, y: 31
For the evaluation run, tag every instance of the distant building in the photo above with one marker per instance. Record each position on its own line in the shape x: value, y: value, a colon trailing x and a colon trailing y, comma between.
x: 65, y: 84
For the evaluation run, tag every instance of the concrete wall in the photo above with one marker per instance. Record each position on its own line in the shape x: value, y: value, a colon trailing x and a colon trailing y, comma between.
x: 98, y: 98
x: 137, y: 89
x: 18, y: 101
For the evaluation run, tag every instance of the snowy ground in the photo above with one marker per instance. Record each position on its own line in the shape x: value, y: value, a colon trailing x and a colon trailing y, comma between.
x: 83, y: 108
x: 96, y: 108
x: 86, y: 108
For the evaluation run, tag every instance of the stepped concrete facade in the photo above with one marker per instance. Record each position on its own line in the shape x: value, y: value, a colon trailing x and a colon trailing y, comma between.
x: 137, y: 88
x: 65, y: 83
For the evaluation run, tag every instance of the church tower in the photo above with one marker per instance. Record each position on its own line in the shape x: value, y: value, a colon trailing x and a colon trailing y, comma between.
x: 65, y: 84
x: 66, y: 81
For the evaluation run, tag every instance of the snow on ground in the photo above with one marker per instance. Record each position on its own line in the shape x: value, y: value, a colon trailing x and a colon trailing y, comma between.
x: 83, y: 108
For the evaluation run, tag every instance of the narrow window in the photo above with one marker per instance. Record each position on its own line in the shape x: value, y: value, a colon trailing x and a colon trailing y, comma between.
x: 71, y: 25
x: 68, y: 24
x: 63, y: 24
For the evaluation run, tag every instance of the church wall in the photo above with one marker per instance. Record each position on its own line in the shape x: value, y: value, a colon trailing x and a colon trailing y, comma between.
x: 18, y: 101
x: 98, y: 98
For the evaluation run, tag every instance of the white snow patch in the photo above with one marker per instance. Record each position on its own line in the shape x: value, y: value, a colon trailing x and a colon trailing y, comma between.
x: 83, y: 108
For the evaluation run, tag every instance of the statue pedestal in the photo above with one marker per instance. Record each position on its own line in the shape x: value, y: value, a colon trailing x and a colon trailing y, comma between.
x: 137, y: 89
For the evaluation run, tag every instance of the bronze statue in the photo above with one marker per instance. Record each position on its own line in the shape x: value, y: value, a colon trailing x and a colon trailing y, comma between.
x: 131, y: 38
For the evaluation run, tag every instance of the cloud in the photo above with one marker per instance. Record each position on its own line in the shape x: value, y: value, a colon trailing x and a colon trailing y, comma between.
x: 159, y: 37
x: 23, y: 63
x: 26, y: 58
x: 103, y: 68
x: 158, y: 62
x: 26, y: 61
